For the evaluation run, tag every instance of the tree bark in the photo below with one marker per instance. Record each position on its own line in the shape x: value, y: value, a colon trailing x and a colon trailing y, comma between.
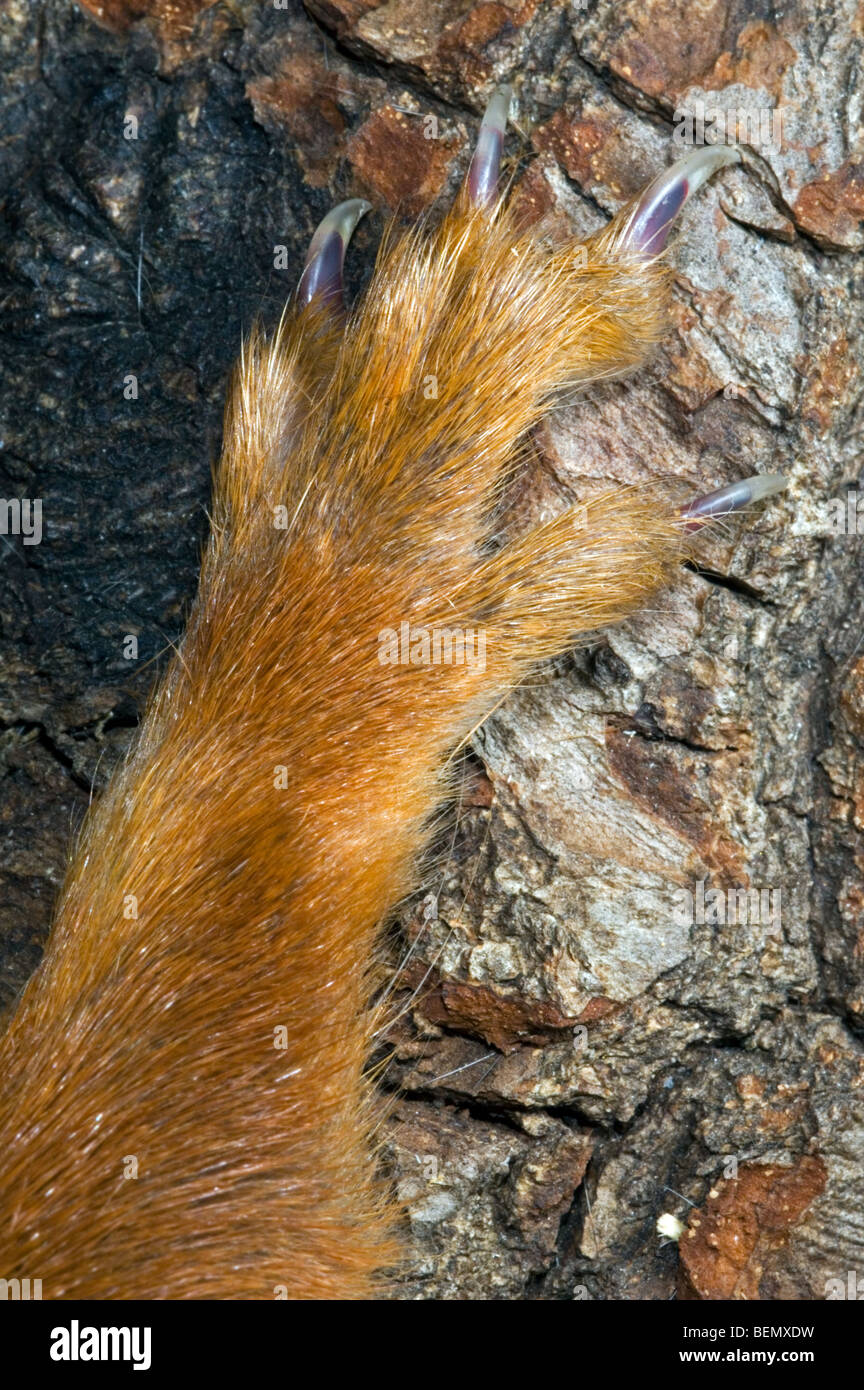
x: 634, y: 982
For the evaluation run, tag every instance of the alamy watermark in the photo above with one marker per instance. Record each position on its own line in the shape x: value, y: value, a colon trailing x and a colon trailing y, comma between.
x: 727, y: 906
x: 838, y: 516
x: 21, y: 516
x: 20, y: 1289
x: 851, y: 1288
x: 432, y: 646
x: 77, y: 1343
x: 698, y: 124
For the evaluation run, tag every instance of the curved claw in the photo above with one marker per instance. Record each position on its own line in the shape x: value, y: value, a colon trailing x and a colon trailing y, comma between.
x: 322, y: 273
x: 482, y: 178
x: 657, y: 208
x: 731, y: 498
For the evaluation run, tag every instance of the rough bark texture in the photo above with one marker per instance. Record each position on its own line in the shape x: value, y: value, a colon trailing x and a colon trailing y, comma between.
x: 575, y: 1057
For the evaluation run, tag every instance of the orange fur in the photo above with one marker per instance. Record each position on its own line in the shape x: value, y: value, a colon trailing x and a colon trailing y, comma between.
x: 213, y: 898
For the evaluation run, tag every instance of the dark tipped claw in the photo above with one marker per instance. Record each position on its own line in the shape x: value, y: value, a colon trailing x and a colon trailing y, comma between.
x: 663, y: 199
x: 482, y: 180
x: 731, y: 498
x: 322, y: 275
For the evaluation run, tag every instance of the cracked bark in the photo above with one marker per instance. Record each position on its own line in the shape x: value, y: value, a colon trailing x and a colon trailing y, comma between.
x: 572, y: 1054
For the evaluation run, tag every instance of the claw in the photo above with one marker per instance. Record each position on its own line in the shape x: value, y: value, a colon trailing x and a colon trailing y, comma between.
x: 322, y: 274
x: 482, y: 179
x: 663, y: 199
x: 731, y: 498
